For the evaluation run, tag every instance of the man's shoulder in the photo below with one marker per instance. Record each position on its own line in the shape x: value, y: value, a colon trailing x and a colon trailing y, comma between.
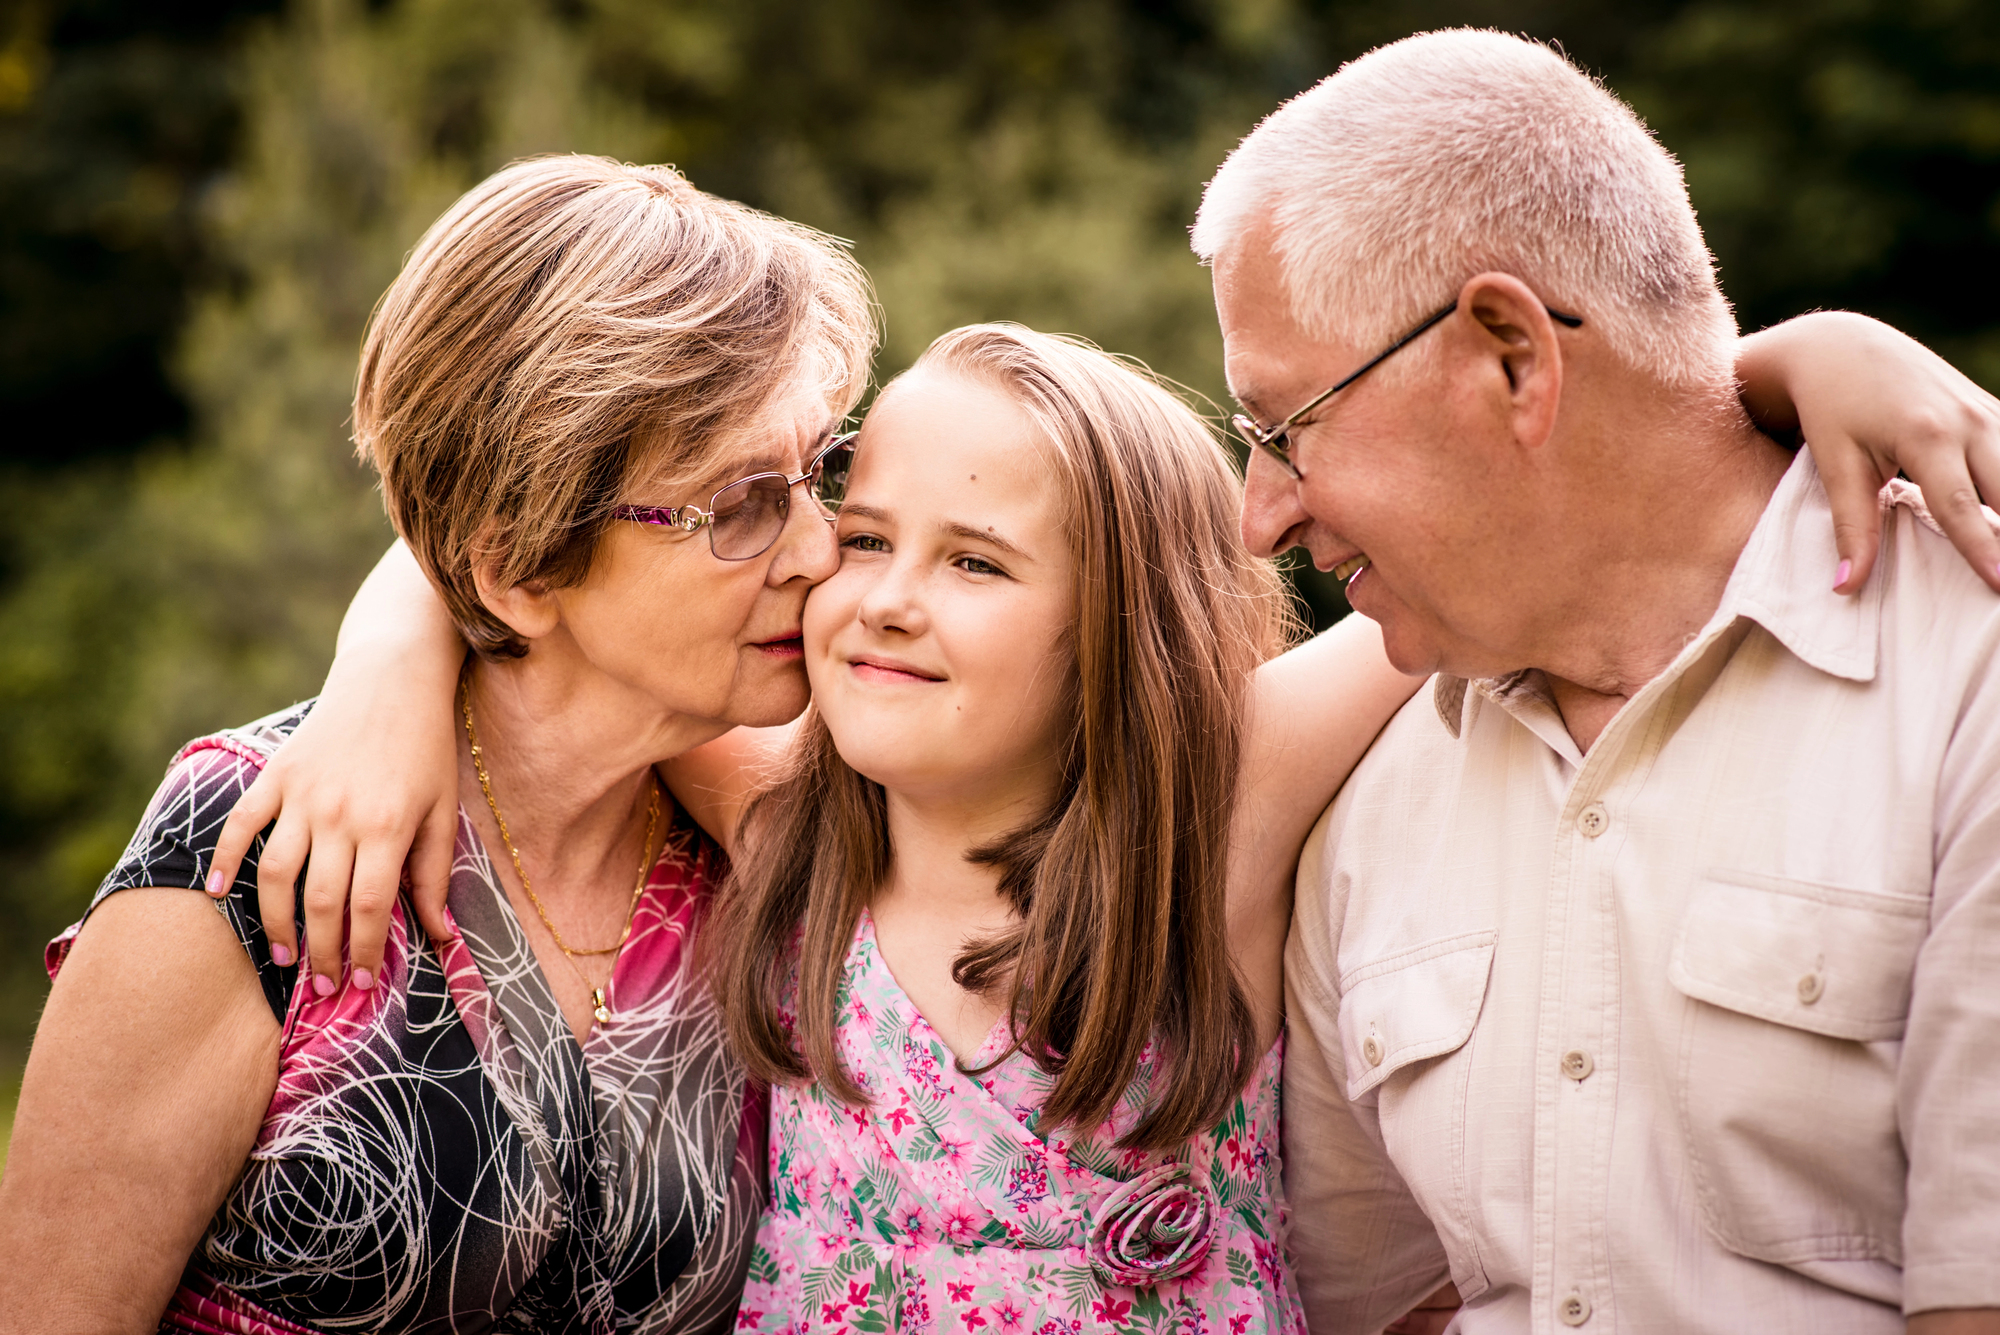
x: 1419, y: 746
x: 1939, y: 617
x: 1399, y: 793
x: 1922, y: 555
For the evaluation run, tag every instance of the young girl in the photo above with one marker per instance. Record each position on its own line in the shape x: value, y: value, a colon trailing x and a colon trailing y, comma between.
x: 1007, y: 926
x: 981, y: 942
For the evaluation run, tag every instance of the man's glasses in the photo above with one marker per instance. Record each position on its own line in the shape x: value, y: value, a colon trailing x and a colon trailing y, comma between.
x: 746, y: 517
x: 1276, y: 440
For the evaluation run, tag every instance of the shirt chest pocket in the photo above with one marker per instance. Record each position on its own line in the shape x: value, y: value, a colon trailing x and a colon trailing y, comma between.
x: 1410, y: 1007
x: 1801, y: 993
x: 1405, y: 1014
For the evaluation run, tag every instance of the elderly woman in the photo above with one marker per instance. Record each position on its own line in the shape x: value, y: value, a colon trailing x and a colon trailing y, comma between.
x: 533, y: 1125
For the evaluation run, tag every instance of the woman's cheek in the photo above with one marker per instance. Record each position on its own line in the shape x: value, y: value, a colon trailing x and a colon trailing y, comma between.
x: 828, y: 607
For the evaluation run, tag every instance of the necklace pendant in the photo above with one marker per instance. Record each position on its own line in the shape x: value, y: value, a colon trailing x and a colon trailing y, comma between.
x: 602, y: 1011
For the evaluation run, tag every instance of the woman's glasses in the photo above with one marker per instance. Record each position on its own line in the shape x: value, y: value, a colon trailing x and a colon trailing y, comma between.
x: 746, y: 517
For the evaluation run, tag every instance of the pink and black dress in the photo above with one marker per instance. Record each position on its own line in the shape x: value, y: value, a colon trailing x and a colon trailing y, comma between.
x: 441, y: 1154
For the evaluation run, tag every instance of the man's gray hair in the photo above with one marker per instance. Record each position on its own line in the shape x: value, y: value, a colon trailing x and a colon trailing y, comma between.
x: 1448, y: 154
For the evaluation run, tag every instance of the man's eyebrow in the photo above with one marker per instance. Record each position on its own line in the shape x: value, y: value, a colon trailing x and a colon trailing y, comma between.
x: 988, y: 536
x: 1251, y: 399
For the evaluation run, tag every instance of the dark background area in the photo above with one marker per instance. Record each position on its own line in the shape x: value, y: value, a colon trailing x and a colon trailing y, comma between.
x: 199, y: 202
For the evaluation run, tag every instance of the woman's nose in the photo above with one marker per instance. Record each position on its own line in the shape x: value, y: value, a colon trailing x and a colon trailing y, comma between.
x: 806, y: 549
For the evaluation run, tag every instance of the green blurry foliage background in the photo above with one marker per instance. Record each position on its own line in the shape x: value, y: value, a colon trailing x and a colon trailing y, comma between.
x: 200, y: 202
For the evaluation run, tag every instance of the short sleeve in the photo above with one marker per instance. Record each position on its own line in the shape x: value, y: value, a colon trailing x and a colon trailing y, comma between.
x: 176, y: 838
x: 1364, y: 1251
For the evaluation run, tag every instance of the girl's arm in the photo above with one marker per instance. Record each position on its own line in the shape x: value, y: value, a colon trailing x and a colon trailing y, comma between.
x: 716, y: 781
x: 1868, y: 401
x: 1313, y: 713
x: 367, y: 784
x: 1871, y: 401
x: 372, y: 776
x: 153, y: 1066
x: 373, y: 769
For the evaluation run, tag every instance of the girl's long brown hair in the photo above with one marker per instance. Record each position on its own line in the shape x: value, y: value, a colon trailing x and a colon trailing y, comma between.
x: 1119, y: 886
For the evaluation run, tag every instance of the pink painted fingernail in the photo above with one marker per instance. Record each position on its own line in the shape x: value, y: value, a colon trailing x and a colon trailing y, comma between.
x: 281, y: 955
x: 364, y: 980
x: 1840, y: 575
x: 322, y: 985
x: 216, y: 885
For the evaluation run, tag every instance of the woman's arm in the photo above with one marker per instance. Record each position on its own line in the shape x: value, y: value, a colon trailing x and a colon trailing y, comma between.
x: 152, y: 1069
x: 368, y: 782
x: 1871, y: 401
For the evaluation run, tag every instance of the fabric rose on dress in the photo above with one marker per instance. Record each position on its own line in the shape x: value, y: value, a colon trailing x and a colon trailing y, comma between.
x: 1156, y: 1227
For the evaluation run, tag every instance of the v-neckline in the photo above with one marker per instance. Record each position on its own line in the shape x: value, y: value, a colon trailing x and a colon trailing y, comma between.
x: 500, y: 974
x: 997, y: 1039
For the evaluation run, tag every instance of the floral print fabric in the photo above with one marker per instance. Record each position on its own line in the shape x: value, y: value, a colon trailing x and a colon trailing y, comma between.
x: 940, y: 1208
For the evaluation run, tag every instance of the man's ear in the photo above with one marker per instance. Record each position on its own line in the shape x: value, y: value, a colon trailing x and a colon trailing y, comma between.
x: 1514, y: 329
x: 529, y: 609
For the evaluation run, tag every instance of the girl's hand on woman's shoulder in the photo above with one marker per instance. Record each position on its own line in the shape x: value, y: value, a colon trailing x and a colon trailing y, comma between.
x: 365, y: 790
x: 1870, y: 402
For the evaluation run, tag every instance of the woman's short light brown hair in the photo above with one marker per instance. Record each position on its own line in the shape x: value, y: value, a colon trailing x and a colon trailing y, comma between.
x: 568, y: 323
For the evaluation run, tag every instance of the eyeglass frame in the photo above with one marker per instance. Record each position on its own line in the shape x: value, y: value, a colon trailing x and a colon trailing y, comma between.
x: 690, y: 519
x: 1271, y: 439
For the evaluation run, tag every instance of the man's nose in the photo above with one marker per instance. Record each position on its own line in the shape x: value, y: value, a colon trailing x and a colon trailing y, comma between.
x: 1273, y: 513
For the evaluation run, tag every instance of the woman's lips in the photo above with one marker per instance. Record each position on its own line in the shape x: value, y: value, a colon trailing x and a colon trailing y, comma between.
x: 788, y: 647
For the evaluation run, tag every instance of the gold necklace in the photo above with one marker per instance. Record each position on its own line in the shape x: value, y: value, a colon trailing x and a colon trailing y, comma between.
x: 600, y: 1009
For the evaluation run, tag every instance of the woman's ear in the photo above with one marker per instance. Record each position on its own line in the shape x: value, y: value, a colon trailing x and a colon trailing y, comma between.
x: 529, y: 609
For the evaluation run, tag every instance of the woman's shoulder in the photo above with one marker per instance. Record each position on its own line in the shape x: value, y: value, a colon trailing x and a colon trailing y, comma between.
x: 176, y: 837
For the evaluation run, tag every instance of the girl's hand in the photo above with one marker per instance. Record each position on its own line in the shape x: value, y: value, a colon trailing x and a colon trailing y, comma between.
x: 1871, y: 402
x: 368, y: 784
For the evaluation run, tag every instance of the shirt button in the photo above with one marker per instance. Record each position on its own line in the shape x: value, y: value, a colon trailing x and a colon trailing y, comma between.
x: 1811, y: 988
x: 1593, y: 820
x: 1578, y: 1065
x: 1371, y: 1050
x: 1574, y: 1310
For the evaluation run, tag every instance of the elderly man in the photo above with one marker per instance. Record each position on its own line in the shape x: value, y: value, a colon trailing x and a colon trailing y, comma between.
x: 1646, y: 975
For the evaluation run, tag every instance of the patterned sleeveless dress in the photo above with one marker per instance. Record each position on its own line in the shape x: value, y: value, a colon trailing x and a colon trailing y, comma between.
x: 440, y: 1154
x: 941, y: 1209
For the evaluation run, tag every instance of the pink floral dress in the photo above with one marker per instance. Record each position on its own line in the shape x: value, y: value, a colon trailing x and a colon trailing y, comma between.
x: 941, y: 1209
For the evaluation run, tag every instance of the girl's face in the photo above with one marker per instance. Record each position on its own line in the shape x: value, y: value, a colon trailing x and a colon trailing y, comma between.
x: 938, y: 651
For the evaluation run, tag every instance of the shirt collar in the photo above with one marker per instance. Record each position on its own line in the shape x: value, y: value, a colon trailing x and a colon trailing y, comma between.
x: 1783, y: 581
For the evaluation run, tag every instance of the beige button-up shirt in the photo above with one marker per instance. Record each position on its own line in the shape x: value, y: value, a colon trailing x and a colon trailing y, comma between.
x: 1699, y: 1032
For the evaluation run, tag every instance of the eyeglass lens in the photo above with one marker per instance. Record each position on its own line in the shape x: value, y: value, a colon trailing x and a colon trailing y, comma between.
x: 749, y: 515
x: 829, y: 480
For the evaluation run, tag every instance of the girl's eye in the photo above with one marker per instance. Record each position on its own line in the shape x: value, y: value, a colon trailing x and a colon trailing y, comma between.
x: 973, y: 565
x: 864, y: 542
